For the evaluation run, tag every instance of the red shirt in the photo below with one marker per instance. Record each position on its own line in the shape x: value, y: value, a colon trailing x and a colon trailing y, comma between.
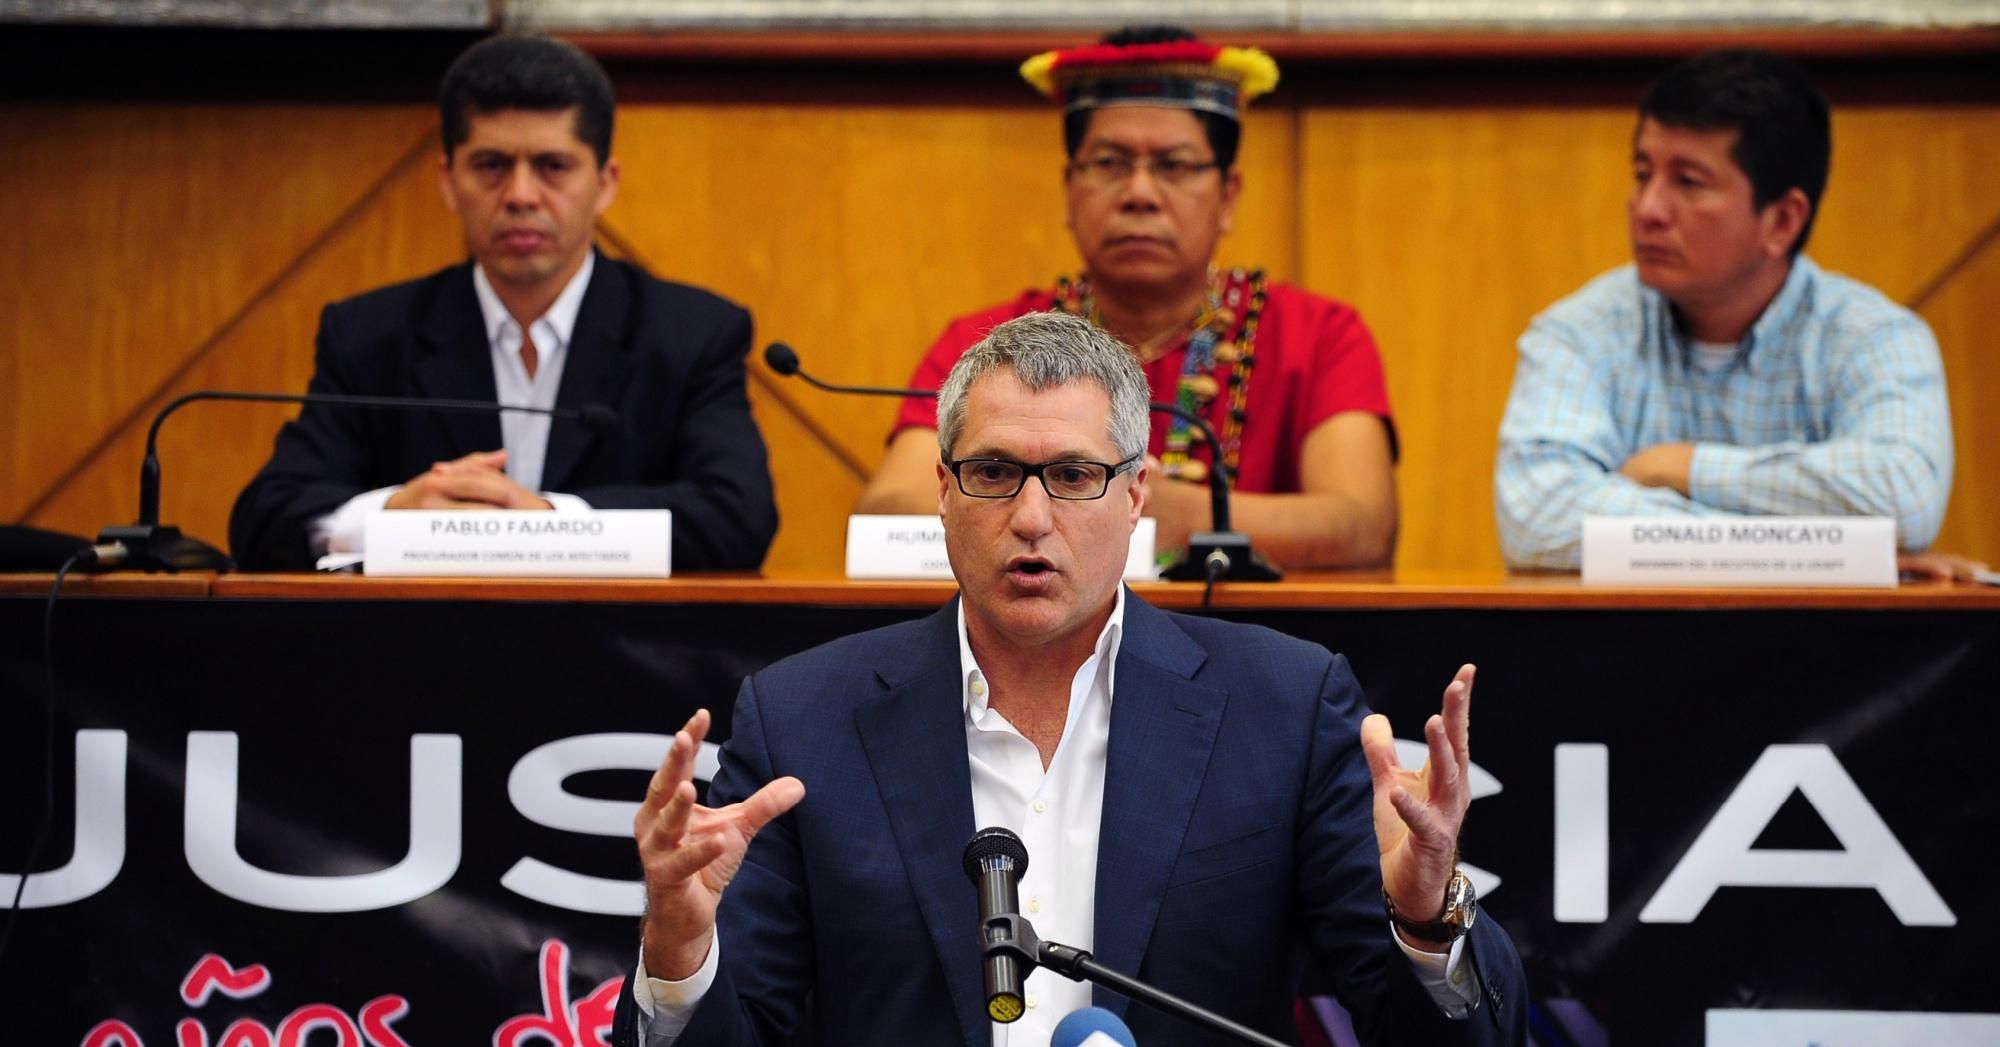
x: 1313, y: 358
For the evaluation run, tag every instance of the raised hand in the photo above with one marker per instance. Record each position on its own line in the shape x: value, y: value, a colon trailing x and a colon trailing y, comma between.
x: 1418, y: 813
x: 691, y: 852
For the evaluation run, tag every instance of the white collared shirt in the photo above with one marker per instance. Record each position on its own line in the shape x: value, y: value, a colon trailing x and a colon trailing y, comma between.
x: 1057, y: 813
x: 524, y: 436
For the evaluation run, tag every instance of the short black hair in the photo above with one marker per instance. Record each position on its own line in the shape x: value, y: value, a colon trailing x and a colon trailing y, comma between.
x: 1223, y: 133
x: 1784, y: 136
x: 526, y: 71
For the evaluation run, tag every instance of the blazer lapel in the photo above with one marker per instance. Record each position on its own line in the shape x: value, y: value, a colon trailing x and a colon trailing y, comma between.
x: 1163, y: 728
x: 593, y: 371
x: 914, y: 736
x: 456, y: 363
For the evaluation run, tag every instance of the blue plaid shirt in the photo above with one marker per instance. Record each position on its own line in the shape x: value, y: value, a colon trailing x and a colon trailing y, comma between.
x: 1834, y: 406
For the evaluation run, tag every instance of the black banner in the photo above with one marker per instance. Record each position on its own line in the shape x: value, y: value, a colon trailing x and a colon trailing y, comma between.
x: 409, y: 822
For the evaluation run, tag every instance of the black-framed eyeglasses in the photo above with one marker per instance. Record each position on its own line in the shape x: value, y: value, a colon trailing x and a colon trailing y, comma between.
x: 1109, y: 169
x: 1070, y: 479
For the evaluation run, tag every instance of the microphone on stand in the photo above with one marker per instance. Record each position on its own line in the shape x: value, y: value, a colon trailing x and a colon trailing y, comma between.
x: 149, y: 545
x: 996, y: 860
x: 1218, y: 553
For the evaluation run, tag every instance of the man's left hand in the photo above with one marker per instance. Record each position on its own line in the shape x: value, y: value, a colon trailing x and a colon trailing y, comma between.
x: 1418, y: 814
x: 1661, y: 465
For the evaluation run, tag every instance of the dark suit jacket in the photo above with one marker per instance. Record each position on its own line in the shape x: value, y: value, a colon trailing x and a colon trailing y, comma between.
x: 667, y: 358
x: 1237, y: 840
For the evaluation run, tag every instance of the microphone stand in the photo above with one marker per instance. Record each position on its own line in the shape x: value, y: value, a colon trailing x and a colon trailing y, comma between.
x: 150, y: 545
x: 1221, y: 552
x: 1017, y: 939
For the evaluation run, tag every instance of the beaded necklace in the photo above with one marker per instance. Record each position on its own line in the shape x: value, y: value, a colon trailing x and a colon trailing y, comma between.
x: 1221, y: 351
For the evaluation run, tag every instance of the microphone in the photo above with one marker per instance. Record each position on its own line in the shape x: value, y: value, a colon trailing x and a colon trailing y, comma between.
x: 1217, y: 553
x: 152, y: 546
x: 995, y: 860
x: 779, y: 357
x: 1092, y: 1027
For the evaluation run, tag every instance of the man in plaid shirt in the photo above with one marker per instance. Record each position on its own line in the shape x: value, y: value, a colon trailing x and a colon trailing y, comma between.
x: 1722, y: 372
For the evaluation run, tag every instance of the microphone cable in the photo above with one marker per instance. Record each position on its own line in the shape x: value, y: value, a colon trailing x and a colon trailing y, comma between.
x: 79, y: 558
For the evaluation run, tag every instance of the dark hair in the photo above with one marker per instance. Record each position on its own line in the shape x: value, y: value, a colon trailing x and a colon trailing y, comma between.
x: 523, y: 71
x: 1223, y: 133
x: 1784, y: 138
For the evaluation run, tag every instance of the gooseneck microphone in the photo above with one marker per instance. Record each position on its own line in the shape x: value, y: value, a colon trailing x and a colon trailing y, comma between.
x: 781, y: 358
x: 996, y: 859
x: 152, y: 546
x: 1217, y: 553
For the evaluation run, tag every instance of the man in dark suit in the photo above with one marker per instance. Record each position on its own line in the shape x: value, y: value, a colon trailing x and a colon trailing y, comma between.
x: 1192, y: 792
x: 536, y: 317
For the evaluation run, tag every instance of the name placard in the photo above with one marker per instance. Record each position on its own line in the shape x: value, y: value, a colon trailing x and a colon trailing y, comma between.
x: 602, y: 543
x: 1843, y: 551
x: 912, y: 547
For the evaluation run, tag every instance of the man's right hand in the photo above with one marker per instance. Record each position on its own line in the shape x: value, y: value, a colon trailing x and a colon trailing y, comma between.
x: 691, y: 852
x: 476, y: 481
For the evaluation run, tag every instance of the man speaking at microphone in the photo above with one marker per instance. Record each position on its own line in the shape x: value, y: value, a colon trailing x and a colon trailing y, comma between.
x: 538, y: 318
x: 1196, y: 795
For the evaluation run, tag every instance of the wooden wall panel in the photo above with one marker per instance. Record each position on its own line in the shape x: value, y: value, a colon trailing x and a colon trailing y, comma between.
x: 143, y: 230
x: 1910, y: 187
x: 1963, y: 314
x: 1449, y: 230
x: 209, y: 451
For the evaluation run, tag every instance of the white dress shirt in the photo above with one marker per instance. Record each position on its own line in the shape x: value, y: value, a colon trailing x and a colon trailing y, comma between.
x: 1057, y: 813
x: 524, y: 436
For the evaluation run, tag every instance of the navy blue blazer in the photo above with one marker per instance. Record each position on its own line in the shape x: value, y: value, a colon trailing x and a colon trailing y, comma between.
x: 1237, y: 841
x: 667, y: 357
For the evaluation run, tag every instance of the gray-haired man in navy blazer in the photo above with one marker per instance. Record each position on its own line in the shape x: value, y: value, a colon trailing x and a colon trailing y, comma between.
x: 1205, y: 804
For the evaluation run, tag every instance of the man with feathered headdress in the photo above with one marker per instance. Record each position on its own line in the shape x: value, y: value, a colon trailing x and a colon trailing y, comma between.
x: 1290, y: 381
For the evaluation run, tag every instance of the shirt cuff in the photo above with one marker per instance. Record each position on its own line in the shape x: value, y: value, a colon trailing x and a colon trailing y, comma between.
x: 1452, y: 983
x: 566, y: 503
x: 345, y: 529
x: 668, y: 1006
x: 1716, y: 475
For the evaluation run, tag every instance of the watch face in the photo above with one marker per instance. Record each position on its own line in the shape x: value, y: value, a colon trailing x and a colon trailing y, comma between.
x: 1459, y: 899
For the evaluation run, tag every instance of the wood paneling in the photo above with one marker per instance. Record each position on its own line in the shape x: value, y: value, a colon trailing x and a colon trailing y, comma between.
x: 1963, y: 314
x: 1449, y: 230
x: 176, y: 247
x: 140, y: 231
x: 262, y: 339
x: 1909, y: 188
